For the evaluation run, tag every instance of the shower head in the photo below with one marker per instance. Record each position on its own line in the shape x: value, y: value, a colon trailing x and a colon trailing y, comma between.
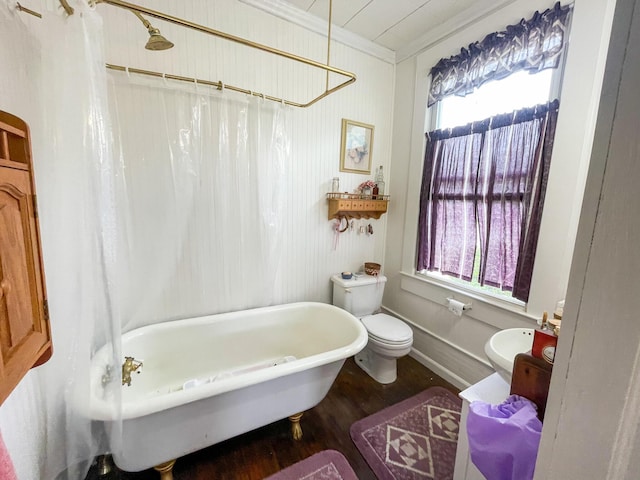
x: 157, y: 41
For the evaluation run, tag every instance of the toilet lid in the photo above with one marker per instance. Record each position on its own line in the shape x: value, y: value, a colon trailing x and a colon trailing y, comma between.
x: 387, y: 328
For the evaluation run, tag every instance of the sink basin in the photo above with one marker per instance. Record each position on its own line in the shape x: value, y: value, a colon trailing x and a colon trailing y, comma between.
x: 503, y: 346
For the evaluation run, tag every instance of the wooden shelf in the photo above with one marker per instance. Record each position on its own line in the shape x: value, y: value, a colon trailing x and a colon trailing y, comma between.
x: 350, y: 205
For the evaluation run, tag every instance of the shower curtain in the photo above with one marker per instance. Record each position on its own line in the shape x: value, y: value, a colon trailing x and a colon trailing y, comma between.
x: 156, y: 201
x: 76, y: 193
x: 201, y: 184
x: 63, y: 97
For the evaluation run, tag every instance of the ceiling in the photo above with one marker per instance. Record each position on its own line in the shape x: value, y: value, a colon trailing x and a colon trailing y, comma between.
x: 393, y: 24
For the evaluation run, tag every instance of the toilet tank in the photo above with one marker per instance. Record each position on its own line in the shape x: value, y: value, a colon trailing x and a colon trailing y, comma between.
x: 359, y: 296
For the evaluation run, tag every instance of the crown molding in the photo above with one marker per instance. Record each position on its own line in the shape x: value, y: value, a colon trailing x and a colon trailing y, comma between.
x: 475, y: 13
x: 315, y: 24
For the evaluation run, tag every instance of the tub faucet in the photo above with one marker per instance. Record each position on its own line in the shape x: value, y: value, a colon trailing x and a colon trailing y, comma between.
x: 129, y: 366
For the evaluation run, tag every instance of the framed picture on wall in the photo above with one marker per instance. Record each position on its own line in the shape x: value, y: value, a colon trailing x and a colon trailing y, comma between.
x: 356, y: 147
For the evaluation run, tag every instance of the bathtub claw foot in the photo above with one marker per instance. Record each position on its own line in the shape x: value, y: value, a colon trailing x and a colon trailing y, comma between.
x: 165, y: 470
x: 296, y: 429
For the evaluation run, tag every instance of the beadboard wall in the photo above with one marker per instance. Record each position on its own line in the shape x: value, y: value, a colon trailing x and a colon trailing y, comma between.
x: 310, y: 254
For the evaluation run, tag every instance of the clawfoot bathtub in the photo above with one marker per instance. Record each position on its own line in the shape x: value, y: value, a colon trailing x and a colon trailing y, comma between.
x: 204, y: 380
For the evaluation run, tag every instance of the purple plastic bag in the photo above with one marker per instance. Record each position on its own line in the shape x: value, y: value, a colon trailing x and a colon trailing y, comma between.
x: 504, y: 439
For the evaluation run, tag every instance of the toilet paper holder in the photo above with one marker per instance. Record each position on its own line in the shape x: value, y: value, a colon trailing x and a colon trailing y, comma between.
x: 457, y: 307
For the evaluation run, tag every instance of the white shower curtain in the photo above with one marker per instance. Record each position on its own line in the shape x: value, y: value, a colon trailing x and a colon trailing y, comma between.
x: 201, y: 190
x: 62, y: 95
x: 156, y: 201
x: 77, y: 205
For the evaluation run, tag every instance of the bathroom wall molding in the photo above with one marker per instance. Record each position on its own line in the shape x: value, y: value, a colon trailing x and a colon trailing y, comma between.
x: 458, y: 359
x: 317, y: 25
x: 494, y: 312
x: 439, y: 369
x: 477, y: 11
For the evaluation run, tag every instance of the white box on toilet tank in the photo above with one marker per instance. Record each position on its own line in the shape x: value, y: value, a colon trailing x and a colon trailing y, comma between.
x: 359, y: 296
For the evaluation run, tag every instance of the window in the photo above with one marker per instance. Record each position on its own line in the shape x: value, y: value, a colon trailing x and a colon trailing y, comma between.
x: 485, y: 170
x: 519, y: 90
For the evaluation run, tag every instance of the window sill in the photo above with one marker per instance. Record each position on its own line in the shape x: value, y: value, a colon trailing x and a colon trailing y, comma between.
x: 488, y: 309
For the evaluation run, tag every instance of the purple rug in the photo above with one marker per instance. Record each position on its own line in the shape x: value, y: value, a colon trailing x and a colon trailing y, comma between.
x: 413, y: 439
x: 325, y: 465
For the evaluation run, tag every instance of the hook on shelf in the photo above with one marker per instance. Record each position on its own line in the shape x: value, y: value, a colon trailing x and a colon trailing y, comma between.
x: 340, y: 229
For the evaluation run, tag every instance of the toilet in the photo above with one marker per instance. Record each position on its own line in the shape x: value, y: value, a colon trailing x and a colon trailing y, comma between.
x: 389, y: 337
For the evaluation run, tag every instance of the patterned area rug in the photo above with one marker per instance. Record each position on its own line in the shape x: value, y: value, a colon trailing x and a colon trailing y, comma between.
x: 325, y: 465
x: 414, y: 439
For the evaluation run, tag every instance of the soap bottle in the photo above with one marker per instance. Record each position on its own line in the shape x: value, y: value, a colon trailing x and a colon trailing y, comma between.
x: 544, y: 341
x: 544, y: 323
x: 379, y: 178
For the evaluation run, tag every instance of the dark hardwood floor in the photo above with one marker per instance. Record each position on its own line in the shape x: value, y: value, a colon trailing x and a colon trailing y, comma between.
x: 262, y: 452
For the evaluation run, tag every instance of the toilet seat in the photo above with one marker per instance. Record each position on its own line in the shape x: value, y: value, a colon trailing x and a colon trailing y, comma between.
x: 388, y: 348
x: 387, y: 330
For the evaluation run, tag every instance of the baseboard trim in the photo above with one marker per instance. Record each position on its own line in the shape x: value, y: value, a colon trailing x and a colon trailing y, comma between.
x: 439, y: 369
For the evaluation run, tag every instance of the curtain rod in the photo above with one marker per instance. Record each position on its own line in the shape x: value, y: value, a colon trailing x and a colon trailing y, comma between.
x: 200, y: 28
x: 27, y: 10
x: 67, y: 7
x: 219, y: 84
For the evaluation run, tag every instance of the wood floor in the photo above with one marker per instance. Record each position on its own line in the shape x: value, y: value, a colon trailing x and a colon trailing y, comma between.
x: 262, y: 452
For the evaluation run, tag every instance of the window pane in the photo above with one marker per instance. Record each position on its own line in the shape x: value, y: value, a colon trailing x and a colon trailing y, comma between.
x: 519, y: 90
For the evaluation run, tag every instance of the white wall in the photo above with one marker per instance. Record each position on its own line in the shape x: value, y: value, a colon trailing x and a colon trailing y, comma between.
x: 454, y: 345
x: 309, y: 257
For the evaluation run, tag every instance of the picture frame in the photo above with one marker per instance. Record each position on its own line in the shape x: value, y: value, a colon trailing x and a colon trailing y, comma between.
x: 356, y: 147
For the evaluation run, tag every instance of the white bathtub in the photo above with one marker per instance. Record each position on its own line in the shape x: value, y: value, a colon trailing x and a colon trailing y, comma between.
x: 208, y: 379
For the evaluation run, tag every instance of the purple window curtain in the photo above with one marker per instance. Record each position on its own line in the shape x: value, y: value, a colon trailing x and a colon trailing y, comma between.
x: 533, y: 45
x: 484, y: 184
x: 448, y: 226
x: 534, y: 199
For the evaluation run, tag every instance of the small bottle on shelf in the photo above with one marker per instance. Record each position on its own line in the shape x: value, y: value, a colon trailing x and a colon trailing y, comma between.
x: 335, y: 185
x: 379, y: 178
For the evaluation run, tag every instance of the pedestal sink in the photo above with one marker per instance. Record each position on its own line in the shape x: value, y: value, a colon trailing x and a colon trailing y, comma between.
x: 504, y: 345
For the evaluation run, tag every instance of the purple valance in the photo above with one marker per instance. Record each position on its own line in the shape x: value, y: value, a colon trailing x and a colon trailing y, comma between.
x: 533, y: 45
